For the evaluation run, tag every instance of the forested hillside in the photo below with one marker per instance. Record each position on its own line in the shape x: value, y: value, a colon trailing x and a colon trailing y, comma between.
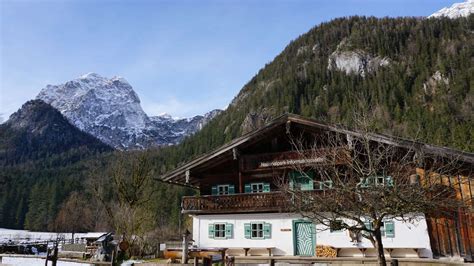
x: 43, y: 159
x: 412, y: 76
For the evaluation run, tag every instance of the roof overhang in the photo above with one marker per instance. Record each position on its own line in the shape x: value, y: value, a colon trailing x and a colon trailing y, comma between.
x: 181, y: 176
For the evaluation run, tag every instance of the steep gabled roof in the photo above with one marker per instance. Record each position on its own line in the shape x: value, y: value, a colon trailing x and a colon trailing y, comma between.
x: 177, y: 175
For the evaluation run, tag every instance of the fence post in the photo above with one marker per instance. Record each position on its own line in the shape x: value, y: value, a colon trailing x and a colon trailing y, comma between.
x: 184, y: 257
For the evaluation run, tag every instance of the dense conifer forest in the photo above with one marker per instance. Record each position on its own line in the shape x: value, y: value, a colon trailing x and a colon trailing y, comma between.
x: 424, y: 92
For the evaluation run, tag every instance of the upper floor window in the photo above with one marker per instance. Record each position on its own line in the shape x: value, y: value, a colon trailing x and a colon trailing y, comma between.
x: 257, y: 187
x: 301, y: 180
x: 372, y: 181
x: 224, y: 189
x: 323, y: 185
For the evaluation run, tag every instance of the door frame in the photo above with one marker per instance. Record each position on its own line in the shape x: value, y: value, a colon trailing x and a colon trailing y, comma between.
x: 313, y: 237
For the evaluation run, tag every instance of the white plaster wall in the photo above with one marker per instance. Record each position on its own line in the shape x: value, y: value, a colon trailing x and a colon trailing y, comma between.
x: 407, y: 235
x: 282, y: 241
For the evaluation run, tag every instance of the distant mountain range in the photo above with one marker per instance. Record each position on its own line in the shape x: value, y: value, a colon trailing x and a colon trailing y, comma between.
x: 456, y: 10
x: 110, y: 110
x: 412, y: 76
x: 37, y: 131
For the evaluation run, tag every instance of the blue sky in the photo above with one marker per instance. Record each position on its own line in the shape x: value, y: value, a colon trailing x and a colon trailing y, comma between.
x: 181, y: 57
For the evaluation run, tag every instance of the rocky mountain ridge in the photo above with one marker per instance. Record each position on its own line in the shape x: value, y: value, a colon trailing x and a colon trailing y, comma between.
x: 110, y: 110
x: 456, y: 10
x: 38, y: 130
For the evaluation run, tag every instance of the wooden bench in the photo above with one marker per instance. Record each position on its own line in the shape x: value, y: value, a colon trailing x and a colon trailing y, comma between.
x: 247, y: 249
x: 201, y: 253
x: 363, y: 250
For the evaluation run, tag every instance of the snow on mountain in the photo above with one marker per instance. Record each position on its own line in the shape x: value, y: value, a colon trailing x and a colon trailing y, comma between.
x: 456, y: 10
x: 110, y: 110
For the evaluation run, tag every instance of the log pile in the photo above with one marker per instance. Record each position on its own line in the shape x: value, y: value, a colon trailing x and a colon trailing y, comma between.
x: 326, y: 251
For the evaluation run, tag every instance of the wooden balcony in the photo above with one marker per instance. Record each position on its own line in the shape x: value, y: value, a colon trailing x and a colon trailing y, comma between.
x: 235, y: 203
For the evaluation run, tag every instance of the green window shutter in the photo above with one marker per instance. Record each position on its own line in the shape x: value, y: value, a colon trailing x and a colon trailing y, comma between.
x: 214, y: 190
x: 248, y: 188
x: 247, y: 231
x: 231, y: 189
x: 229, y: 230
x: 211, y: 230
x: 266, y: 187
x: 267, y: 231
x: 389, y: 228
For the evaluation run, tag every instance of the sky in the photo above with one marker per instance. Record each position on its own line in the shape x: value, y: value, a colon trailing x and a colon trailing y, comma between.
x: 182, y: 57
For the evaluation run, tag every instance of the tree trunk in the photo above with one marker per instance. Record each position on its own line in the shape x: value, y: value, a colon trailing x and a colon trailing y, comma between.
x: 379, y: 246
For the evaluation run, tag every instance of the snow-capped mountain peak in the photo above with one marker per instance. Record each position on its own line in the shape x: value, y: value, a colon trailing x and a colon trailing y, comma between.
x: 456, y: 10
x: 110, y: 110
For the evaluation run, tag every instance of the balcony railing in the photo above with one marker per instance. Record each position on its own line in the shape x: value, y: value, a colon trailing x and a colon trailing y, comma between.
x: 235, y: 203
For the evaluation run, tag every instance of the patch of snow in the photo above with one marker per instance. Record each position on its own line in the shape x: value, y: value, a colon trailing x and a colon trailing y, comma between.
x: 25, y: 261
x: 456, y: 10
x: 110, y: 110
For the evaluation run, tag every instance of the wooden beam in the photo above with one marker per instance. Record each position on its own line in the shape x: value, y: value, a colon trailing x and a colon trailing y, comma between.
x: 235, y: 153
x: 241, y: 190
x: 187, y: 174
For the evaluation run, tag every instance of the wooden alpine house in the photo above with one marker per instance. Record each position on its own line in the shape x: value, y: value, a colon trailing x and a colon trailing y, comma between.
x: 240, y: 207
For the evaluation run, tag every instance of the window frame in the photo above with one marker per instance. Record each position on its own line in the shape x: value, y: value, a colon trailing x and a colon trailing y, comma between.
x: 323, y: 185
x: 261, y: 230
x: 256, y: 184
x: 376, y: 181
x: 226, y: 186
x: 223, y: 230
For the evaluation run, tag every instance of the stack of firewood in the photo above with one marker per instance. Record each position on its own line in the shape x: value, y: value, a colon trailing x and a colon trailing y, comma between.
x: 325, y: 251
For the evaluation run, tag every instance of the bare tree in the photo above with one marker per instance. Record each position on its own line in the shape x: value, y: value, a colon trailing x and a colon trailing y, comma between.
x: 125, y: 194
x: 362, y: 181
x: 74, y: 216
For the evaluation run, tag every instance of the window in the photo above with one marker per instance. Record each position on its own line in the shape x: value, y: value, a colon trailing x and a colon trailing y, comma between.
x: 257, y: 230
x: 220, y: 230
x: 372, y: 181
x: 223, y: 189
x: 323, y: 185
x: 301, y: 181
x: 387, y: 229
x: 257, y: 187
